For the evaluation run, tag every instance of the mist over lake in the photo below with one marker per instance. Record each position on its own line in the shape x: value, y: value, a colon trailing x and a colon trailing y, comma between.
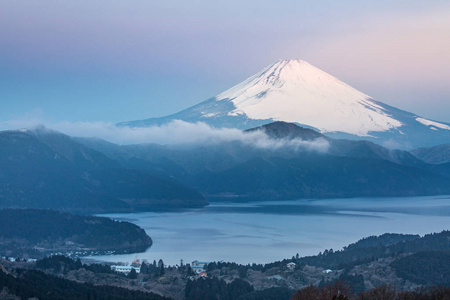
x: 262, y: 232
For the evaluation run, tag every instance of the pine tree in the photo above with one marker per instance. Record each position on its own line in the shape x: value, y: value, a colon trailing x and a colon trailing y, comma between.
x: 132, y: 274
x: 144, y: 268
x: 161, y: 270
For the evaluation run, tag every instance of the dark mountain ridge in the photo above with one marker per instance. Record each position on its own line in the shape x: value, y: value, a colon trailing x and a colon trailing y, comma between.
x: 434, y: 155
x: 42, y: 168
x: 339, y: 147
x: 285, y: 130
x: 46, y: 169
x: 347, y: 168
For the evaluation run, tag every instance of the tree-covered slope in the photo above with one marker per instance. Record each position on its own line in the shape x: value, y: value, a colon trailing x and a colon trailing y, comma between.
x: 37, y: 232
x: 28, y: 284
x: 287, y: 162
x: 319, y: 176
x: 45, y: 169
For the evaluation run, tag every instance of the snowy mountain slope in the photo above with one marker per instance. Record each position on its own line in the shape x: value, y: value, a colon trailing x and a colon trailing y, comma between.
x: 295, y: 91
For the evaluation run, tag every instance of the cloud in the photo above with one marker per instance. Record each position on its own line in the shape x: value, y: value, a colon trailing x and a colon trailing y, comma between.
x: 174, y: 133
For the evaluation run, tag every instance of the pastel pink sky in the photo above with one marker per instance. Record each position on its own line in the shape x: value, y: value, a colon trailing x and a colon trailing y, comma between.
x: 124, y: 60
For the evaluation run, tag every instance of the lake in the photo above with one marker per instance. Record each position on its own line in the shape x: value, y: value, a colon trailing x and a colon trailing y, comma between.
x: 263, y: 232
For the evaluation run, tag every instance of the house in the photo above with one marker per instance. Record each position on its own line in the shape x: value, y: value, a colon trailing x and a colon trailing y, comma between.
x: 203, y: 274
x: 327, y: 271
x: 291, y: 265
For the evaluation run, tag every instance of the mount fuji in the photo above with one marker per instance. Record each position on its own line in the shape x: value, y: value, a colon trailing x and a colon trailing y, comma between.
x: 297, y: 92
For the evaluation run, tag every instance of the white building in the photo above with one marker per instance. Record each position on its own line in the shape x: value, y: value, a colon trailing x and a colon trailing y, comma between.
x: 125, y: 269
x: 291, y: 265
x: 199, y: 266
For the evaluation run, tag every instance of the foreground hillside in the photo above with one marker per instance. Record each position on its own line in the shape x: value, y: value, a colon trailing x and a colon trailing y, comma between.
x: 38, y: 285
x: 390, y: 266
x: 36, y: 233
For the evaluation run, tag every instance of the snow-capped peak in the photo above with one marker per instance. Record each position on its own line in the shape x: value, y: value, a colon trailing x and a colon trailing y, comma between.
x: 295, y: 91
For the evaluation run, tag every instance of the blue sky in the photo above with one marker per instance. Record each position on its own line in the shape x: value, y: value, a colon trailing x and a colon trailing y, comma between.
x: 117, y: 61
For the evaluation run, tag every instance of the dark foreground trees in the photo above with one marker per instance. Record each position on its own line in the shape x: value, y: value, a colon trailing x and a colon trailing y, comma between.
x: 340, y: 291
x: 214, y: 288
x: 37, y: 284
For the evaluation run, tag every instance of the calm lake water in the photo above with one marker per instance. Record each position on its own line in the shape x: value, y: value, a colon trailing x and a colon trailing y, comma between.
x: 263, y: 232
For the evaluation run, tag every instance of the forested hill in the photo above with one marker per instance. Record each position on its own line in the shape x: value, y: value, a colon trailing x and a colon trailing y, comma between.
x: 285, y: 161
x: 34, y: 232
x: 33, y: 284
x: 42, y: 168
x: 375, y: 247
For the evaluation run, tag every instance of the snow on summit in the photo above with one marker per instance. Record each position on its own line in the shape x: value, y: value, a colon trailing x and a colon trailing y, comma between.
x: 295, y: 91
